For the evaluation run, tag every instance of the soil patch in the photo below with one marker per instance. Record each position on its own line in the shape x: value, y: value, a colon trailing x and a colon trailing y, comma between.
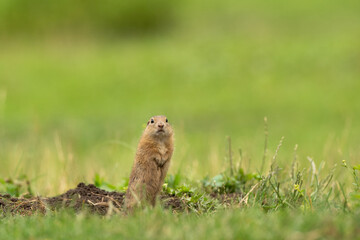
x: 90, y: 197
x: 22, y: 206
x: 173, y: 202
x: 83, y: 197
x: 228, y: 198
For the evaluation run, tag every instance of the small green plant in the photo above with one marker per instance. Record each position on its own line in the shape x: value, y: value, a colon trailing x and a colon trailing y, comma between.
x: 173, y: 181
x: 195, y: 199
x: 354, y: 196
x: 102, y: 184
x: 227, y: 183
x: 16, y: 186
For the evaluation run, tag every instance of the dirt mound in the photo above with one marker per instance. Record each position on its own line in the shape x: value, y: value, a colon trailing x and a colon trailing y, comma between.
x: 95, y: 200
x: 22, y: 206
x: 90, y: 197
x: 82, y: 197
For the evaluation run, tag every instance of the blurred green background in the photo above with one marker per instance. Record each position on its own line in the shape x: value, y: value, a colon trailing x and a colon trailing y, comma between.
x: 79, y: 80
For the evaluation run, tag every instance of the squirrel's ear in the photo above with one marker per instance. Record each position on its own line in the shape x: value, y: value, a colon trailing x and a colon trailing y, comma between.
x: 148, y: 123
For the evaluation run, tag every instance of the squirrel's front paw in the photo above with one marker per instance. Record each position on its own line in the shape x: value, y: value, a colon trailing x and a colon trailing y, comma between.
x: 159, y: 162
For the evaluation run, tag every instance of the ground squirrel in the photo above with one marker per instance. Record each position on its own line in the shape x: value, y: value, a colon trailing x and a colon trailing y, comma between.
x: 151, y: 163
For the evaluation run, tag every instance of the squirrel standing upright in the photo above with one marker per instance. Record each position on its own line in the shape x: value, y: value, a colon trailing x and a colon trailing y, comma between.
x: 151, y: 163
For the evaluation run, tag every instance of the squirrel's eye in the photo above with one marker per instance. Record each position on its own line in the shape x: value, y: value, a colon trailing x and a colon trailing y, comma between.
x: 152, y: 120
x: 166, y: 120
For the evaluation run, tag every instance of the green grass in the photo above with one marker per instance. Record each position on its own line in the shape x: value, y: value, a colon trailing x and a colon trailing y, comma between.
x: 235, y: 224
x: 72, y: 107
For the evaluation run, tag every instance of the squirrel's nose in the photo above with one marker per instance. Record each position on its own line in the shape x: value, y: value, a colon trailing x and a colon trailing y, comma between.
x: 160, y: 125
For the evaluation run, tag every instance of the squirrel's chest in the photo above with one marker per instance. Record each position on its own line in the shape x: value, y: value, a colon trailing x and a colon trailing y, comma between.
x: 162, y: 149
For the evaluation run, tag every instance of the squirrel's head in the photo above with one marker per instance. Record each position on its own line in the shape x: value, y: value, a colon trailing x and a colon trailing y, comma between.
x: 159, y: 127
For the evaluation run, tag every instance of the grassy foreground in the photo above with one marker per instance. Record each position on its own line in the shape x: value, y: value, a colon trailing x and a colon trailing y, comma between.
x: 157, y: 224
x: 273, y: 206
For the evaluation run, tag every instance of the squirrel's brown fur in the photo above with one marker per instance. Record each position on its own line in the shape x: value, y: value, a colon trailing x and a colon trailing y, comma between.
x: 151, y: 163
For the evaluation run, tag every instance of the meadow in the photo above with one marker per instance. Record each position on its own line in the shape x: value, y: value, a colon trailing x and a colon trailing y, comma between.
x: 73, y: 107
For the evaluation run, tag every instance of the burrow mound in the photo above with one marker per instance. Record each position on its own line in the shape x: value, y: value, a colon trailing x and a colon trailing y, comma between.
x: 96, y: 200
x: 80, y: 198
x: 88, y: 197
